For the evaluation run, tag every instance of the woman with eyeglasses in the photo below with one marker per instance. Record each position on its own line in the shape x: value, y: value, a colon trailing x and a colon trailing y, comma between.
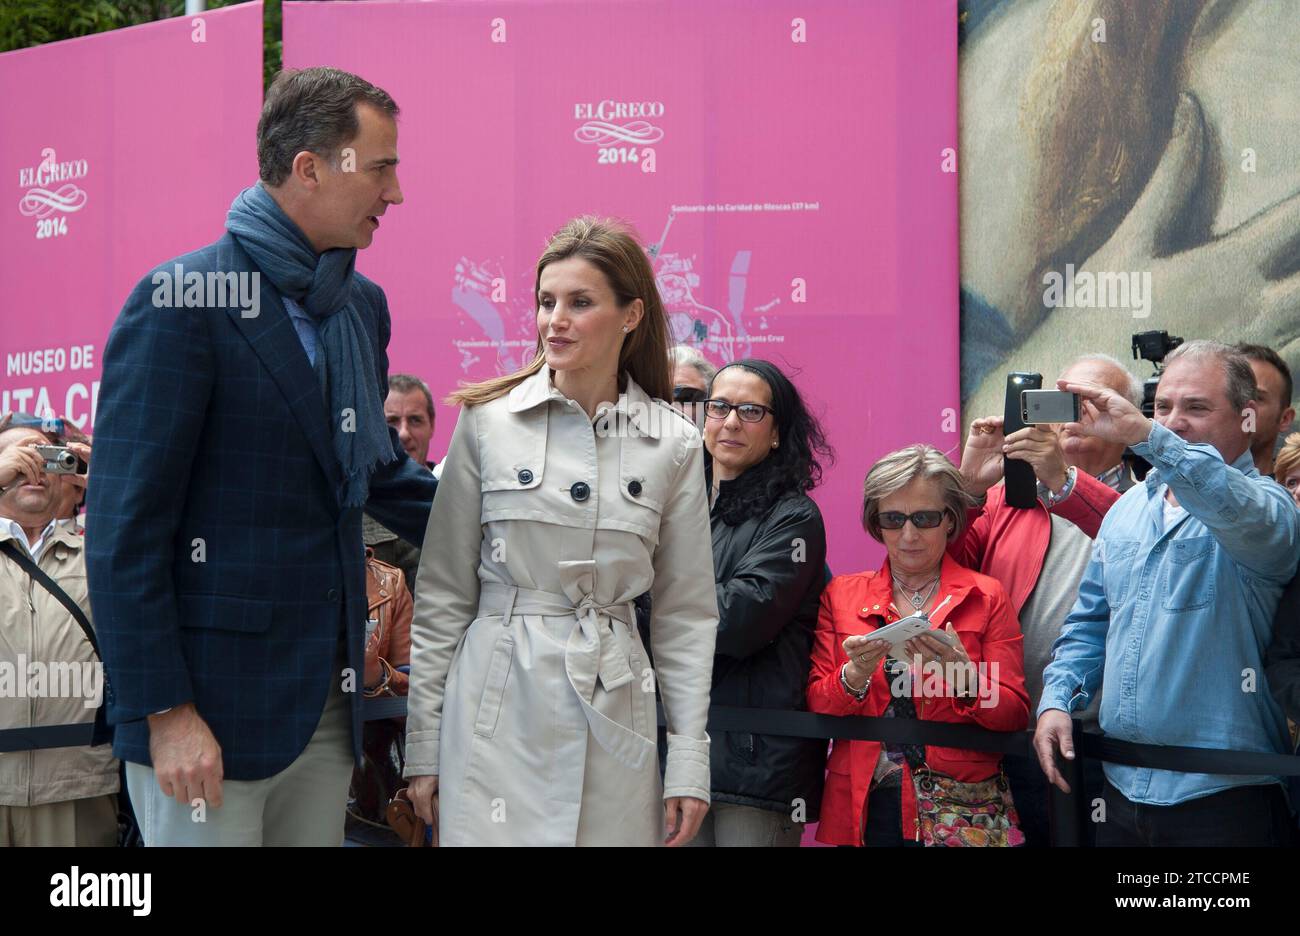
x: 1286, y: 466
x: 769, y: 556
x: 965, y: 667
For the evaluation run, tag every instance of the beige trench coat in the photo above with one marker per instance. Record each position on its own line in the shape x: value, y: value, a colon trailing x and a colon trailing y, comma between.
x: 531, y: 695
x: 36, y: 628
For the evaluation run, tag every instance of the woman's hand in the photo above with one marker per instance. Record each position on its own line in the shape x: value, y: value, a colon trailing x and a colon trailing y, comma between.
x: 1041, y: 447
x: 864, y: 656
x: 682, y: 818
x: 422, y: 791
x: 933, y: 650
x: 981, y: 462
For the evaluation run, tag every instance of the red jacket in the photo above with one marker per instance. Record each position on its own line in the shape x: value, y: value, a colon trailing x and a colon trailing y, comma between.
x: 857, y: 604
x: 1010, y: 544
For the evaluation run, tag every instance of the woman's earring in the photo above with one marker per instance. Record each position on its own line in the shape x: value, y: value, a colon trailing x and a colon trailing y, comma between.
x: 625, y: 329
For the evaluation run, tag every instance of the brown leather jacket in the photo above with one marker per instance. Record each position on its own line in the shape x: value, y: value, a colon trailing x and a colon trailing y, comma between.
x: 391, y: 606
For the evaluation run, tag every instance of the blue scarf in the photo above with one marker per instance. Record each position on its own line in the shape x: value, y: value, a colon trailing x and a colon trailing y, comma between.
x: 345, y: 361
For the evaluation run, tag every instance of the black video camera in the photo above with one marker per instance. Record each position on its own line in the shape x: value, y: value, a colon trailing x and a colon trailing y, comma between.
x: 1153, y: 346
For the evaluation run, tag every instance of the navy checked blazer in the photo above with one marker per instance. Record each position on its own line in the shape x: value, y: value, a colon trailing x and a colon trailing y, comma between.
x: 222, y: 568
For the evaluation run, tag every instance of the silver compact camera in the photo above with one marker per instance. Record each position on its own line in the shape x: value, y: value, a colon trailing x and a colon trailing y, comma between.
x: 61, y: 460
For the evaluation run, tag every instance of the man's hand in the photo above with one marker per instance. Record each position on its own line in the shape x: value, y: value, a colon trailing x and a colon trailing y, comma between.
x: 186, y: 757
x: 21, y: 460
x: 981, y: 461
x: 682, y: 818
x: 1042, y: 449
x: 1115, y: 420
x: 82, y: 451
x: 1055, y: 732
x: 422, y: 790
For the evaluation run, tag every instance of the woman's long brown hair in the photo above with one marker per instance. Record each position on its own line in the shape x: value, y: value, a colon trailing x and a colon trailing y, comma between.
x: 612, y: 248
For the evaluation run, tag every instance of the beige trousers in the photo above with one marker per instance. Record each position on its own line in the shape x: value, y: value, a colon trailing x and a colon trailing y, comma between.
x: 86, y: 823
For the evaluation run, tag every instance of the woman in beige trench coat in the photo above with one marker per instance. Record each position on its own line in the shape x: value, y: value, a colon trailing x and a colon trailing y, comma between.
x: 532, y: 701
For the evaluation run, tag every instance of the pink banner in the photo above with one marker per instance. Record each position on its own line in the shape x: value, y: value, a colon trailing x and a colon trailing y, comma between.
x: 786, y: 161
x: 119, y: 151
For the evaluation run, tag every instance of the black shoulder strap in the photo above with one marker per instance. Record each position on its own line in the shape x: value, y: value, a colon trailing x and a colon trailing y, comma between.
x: 10, y: 549
x: 101, y: 733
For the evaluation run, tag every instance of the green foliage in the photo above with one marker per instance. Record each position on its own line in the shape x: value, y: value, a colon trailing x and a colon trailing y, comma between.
x: 25, y: 23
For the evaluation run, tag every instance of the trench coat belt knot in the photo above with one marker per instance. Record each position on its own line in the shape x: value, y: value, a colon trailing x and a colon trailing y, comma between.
x: 593, y: 651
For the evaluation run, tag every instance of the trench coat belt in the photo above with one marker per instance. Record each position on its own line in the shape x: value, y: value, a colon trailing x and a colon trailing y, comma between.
x: 591, y: 653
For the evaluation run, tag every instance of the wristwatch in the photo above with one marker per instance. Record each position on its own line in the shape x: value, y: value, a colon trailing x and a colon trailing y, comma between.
x: 1051, y: 499
x: 858, y: 694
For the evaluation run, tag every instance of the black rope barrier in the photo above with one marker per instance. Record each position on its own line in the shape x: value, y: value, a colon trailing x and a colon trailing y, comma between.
x: 843, y: 728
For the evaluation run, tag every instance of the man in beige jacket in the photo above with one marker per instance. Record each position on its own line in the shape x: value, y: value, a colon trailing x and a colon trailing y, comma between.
x: 49, y: 674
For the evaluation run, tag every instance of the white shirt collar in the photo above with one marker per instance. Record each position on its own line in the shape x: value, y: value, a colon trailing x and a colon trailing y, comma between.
x: 18, y: 533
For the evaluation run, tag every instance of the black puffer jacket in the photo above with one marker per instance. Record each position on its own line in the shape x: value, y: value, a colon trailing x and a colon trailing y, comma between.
x: 770, y: 566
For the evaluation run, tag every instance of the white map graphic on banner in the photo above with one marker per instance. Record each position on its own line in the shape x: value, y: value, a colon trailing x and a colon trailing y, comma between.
x: 723, y: 334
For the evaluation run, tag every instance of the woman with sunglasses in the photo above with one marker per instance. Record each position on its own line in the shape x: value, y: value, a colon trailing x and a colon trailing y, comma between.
x: 692, y: 373
x: 968, y: 668
x: 769, y: 556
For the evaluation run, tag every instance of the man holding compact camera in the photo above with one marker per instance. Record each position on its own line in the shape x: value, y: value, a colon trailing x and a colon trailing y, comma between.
x: 64, y: 795
x: 1176, y: 610
x: 1039, y: 553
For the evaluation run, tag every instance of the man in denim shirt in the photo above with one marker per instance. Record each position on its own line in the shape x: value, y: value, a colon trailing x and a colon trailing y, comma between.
x: 1176, y: 609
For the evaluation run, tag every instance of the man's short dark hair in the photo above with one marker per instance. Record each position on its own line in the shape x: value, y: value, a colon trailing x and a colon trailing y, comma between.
x: 405, y: 383
x: 312, y: 109
x: 1255, y: 352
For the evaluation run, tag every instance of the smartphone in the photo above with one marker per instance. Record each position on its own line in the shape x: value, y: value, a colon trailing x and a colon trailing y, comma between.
x: 1048, y: 406
x: 1018, y: 476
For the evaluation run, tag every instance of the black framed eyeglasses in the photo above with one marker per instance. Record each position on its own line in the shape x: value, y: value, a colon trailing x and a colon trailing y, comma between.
x: 748, y: 412
x: 921, y: 519
x: 689, y: 395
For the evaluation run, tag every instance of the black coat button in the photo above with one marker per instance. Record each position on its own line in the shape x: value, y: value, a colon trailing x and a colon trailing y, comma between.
x: 332, y: 595
x: 525, y: 476
x: 580, y: 491
x: 634, y: 488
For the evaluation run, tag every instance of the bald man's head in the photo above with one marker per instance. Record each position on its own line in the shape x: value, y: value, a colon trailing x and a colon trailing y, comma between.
x: 1093, y: 455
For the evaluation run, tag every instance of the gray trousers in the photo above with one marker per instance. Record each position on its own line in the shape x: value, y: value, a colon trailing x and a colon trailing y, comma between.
x: 304, y: 804
x: 727, y: 824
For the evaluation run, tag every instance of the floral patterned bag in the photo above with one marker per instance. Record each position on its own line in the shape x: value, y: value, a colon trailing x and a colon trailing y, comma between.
x: 959, y: 814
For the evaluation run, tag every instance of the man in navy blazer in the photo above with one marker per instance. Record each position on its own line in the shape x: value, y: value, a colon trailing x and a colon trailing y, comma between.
x: 235, y: 449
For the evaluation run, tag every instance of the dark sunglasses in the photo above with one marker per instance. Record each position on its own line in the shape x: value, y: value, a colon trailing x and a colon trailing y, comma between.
x: 688, y: 394
x: 921, y: 519
x: 748, y: 412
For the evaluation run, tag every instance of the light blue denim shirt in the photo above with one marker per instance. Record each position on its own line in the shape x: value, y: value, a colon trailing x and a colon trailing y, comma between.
x: 1173, y: 624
